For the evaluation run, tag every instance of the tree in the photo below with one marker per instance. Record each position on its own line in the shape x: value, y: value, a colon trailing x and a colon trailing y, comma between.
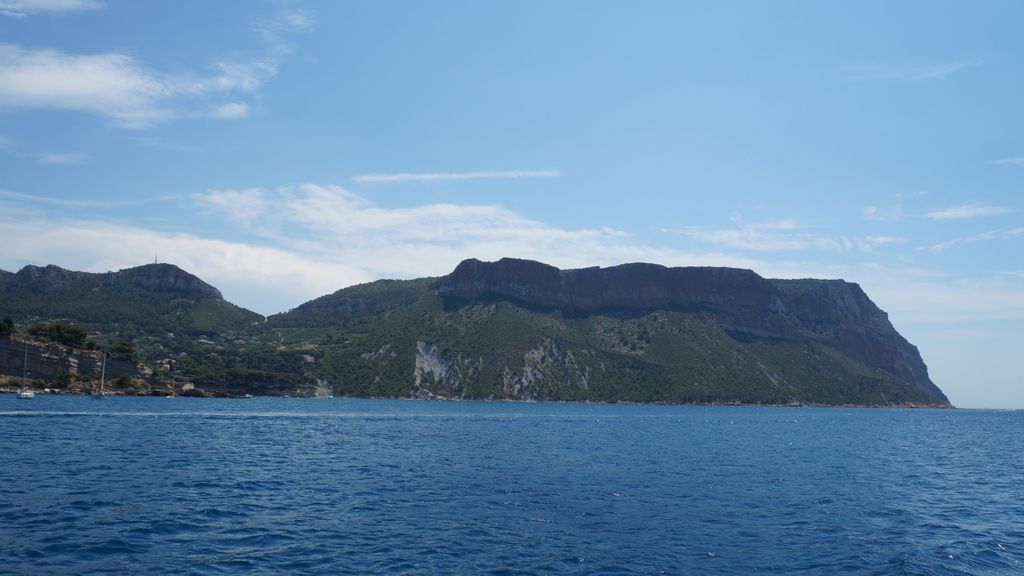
x: 122, y: 350
x: 60, y: 332
x: 7, y: 328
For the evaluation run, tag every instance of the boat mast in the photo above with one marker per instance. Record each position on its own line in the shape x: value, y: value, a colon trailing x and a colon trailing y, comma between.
x: 103, y: 372
x: 24, y: 373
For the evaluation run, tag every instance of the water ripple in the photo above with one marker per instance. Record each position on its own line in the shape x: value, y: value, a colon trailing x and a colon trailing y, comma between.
x: 203, y: 486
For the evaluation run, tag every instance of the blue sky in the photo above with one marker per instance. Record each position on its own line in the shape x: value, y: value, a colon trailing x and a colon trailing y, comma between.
x: 283, y: 150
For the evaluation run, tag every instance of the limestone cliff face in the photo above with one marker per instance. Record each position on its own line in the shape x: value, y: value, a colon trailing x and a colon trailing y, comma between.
x: 164, y: 277
x: 745, y: 305
x: 44, y: 279
x: 161, y: 277
x: 51, y: 361
x: 638, y: 285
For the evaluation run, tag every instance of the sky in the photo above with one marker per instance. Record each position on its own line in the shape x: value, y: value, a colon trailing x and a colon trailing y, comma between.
x: 282, y: 150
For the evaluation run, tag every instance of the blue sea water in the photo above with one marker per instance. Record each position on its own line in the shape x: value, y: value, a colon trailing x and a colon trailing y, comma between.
x: 279, y: 485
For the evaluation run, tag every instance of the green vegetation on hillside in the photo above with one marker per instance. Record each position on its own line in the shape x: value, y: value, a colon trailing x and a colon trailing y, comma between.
x: 366, y: 341
x: 399, y: 338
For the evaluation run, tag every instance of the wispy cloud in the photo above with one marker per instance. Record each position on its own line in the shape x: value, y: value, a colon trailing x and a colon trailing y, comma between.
x: 946, y: 69
x: 161, y: 144
x: 882, y: 214
x: 315, y: 239
x: 946, y: 245
x: 869, y: 243
x: 938, y: 214
x: 967, y: 211
x: 1012, y: 161
x: 984, y: 236
x: 443, y: 176
x: 231, y: 110
x: 780, y: 236
x: 81, y: 203
x: 919, y: 73
x: 258, y: 277
x: 289, y: 22
x: 22, y: 8
x: 944, y: 300
x: 331, y: 218
x: 120, y: 88
x: 63, y: 159
x: 917, y: 193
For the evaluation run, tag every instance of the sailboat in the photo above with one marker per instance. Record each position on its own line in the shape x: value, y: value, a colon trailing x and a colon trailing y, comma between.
x: 25, y: 393
x: 103, y: 377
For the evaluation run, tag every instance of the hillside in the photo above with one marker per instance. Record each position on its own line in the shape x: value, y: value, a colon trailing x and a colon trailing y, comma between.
x: 512, y: 329
x: 179, y: 327
x: 517, y: 329
x: 151, y: 298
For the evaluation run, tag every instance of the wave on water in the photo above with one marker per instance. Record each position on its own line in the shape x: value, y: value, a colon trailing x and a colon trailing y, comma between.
x: 282, y: 486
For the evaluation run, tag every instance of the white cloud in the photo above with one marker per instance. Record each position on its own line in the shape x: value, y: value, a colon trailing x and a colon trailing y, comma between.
x: 118, y: 87
x: 316, y: 239
x: 273, y: 30
x: 442, y: 176
x: 910, y: 300
x: 946, y: 69
x: 234, y: 76
x: 946, y: 245
x: 882, y: 214
x: 31, y: 198
x: 253, y: 276
x: 22, y: 8
x: 63, y: 159
x: 779, y: 236
x: 421, y: 240
x: 55, y: 201
x: 910, y: 194
x: 918, y: 73
x: 984, y: 236
x: 230, y: 111
x: 871, y: 242
x: 944, y: 214
x: 968, y: 211
x: 239, y: 206
x: 1014, y: 161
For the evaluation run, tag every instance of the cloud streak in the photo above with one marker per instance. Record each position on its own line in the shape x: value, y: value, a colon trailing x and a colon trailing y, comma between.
x: 118, y: 87
x: 1013, y: 161
x: 780, y: 236
x: 967, y: 211
x: 22, y: 8
x: 453, y: 176
x: 943, y: 70
x: 17, y: 196
x: 310, y: 240
x: 53, y: 159
x: 921, y: 73
x: 984, y: 236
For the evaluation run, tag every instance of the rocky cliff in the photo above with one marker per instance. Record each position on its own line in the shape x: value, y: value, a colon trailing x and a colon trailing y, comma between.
x: 751, y: 308
x: 157, y: 277
x: 512, y: 329
x: 49, y: 362
x: 641, y: 286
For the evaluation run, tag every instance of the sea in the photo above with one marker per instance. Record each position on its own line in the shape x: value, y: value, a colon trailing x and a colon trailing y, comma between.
x: 124, y: 485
